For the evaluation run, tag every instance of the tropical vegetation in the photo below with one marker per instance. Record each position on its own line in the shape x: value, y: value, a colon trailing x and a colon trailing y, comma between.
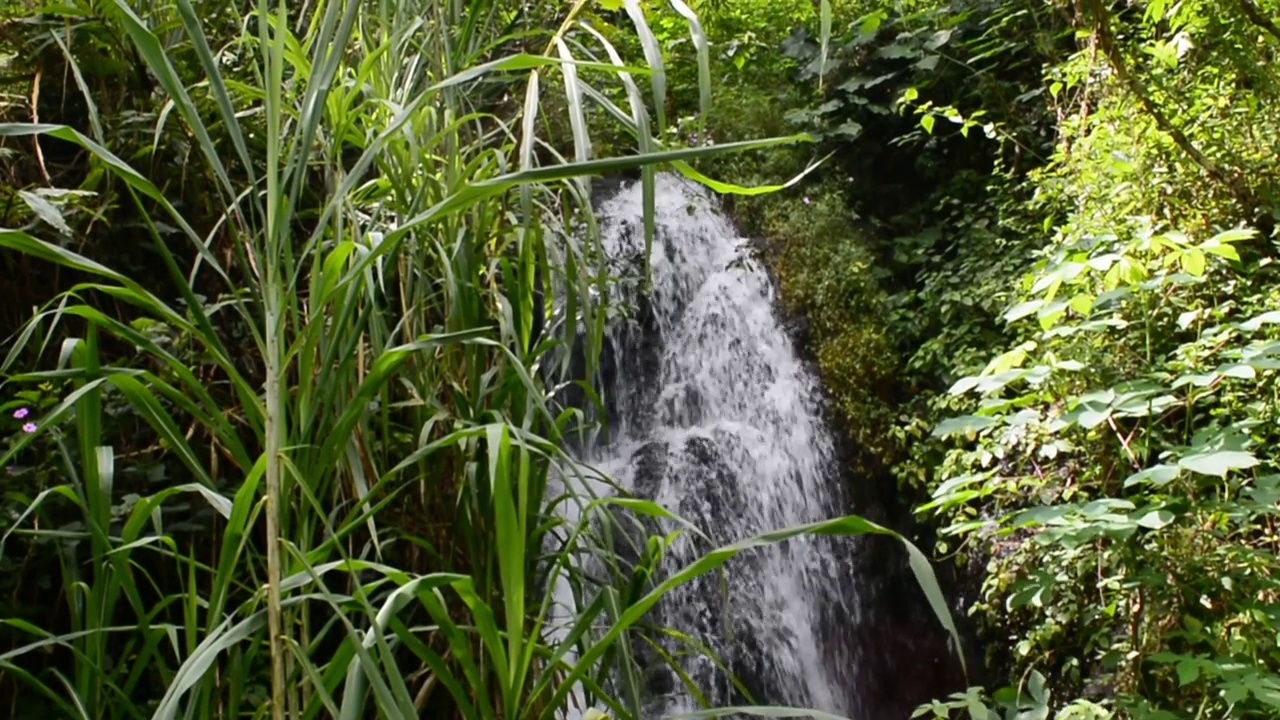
x: 301, y: 296
x: 1038, y: 272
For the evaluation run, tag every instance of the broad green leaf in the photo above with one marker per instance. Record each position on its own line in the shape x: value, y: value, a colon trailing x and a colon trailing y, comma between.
x: 1156, y: 519
x: 1022, y: 310
x: 1255, y: 323
x: 964, y: 424
x: 1230, y: 236
x: 1218, y: 462
x: 1193, y: 262
x: 1158, y: 476
x: 964, y: 385
x: 1188, y: 671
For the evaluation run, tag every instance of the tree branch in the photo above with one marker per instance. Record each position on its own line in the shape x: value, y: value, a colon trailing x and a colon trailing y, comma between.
x: 1232, y: 181
x: 1256, y: 17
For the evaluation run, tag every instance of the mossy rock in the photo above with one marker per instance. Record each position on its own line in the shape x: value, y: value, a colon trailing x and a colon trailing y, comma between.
x: 828, y: 275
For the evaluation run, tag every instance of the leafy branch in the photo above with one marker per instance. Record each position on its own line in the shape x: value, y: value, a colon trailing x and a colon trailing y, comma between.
x: 1231, y: 179
x: 1256, y: 17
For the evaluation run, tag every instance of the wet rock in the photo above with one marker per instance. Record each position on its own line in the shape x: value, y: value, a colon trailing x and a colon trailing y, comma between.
x: 649, y: 465
x: 713, y: 501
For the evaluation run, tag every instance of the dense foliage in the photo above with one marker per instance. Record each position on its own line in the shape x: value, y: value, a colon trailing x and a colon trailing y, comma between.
x: 1121, y: 434
x: 300, y: 299
x: 1038, y: 272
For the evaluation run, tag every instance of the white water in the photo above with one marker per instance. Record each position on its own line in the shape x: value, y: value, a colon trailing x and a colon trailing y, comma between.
x: 718, y: 420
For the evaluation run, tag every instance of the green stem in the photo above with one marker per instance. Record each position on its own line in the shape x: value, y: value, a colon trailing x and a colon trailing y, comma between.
x: 272, y: 44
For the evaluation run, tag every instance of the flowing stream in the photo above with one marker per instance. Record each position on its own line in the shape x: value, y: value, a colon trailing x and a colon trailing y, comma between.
x: 715, y: 417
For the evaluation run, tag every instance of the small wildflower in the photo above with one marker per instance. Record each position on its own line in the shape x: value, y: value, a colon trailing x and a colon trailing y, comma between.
x: 29, y: 428
x: 20, y: 413
x: 806, y: 199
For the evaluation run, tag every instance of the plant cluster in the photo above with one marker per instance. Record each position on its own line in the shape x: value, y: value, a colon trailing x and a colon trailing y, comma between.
x: 290, y: 424
x: 1052, y: 226
x: 1109, y: 478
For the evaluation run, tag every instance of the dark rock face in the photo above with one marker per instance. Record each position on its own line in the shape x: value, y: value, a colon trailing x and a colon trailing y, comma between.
x: 651, y: 465
x: 907, y: 657
x: 714, y: 496
x: 908, y: 664
x: 711, y: 498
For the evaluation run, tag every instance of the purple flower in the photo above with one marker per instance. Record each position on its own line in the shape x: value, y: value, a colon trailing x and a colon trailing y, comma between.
x: 29, y: 428
x: 806, y: 199
x: 20, y: 413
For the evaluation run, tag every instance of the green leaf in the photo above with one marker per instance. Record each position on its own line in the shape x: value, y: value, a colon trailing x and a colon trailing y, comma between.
x: 1092, y: 414
x: 1255, y: 323
x: 1224, y: 251
x: 46, y: 211
x: 963, y: 424
x: 928, y: 62
x: 725, y: 188
x: 1193, y: 262
x: 1036, y: 686
x: 1022, y: 310
x: 1218, y: 462
x: 850, y: 129
x: 1230, y: 236
x: 1241, y: 371
x: 702, y: 47
x: 938, y: 39
x: 895, y: 51
x: 1188, y: 670
x: 870, y: 23
x: 824, y: 38
x: 1158, y: 476
x: 1156, y: 519
x: 653, y: 57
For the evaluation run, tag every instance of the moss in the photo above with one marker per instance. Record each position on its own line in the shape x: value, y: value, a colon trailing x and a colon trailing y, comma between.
x: 826, y: 274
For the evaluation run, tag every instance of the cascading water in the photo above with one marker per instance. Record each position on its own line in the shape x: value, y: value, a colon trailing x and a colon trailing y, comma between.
x: 715, y: 417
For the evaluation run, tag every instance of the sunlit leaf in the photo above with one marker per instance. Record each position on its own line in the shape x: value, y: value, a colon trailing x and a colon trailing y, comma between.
x: 1218, y: 462
x: 964, y: 424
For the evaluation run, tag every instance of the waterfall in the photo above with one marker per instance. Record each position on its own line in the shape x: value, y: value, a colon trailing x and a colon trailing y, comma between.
x: 715, y: 417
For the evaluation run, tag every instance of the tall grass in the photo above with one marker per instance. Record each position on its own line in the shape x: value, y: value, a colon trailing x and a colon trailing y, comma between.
x: 380, y: 440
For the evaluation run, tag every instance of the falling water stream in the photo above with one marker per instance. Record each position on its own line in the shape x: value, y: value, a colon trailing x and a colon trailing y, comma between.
x: 715, y: 417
